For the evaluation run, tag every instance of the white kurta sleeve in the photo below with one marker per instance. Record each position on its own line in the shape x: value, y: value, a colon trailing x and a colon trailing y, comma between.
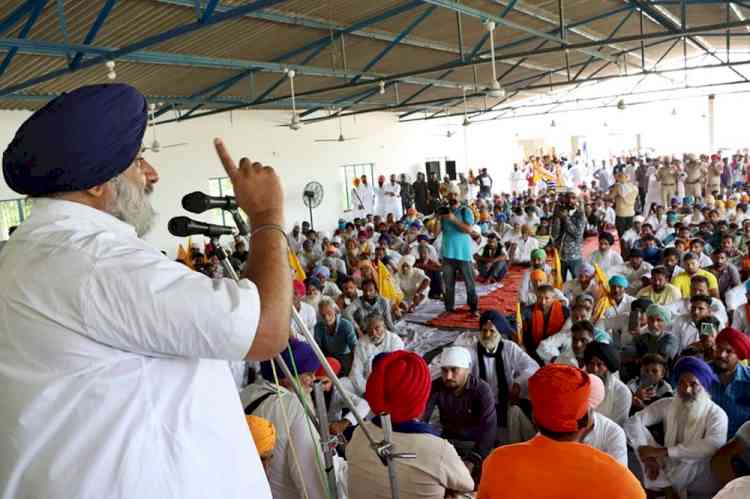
x: 153, y: 306
x: 623, y: 401
x: 636, y: 427
x: 714, y: 438
x: 551, y: 347
x: 357, y: 372
x: 361, y: 407
x: 519, y: 365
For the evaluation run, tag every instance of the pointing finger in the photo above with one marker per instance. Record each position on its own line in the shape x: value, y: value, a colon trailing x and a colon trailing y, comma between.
x: 226, y: 160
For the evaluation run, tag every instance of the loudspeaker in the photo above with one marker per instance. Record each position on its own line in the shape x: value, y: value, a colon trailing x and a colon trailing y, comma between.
x: 432, y: 167
x: 450, y: 169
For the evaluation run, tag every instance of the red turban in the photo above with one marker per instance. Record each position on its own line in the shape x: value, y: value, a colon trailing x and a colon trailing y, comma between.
x: 560, y: 397
x: 738, y: 340
x: 399, y: 385
x: 335, y: 366
x: 299, y: 288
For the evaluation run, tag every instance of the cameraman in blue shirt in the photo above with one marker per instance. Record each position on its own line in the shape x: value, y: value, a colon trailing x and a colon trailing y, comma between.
x: 455, y: 223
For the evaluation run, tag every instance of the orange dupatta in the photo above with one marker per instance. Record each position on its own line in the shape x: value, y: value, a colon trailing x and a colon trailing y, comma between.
x: 554, y: 324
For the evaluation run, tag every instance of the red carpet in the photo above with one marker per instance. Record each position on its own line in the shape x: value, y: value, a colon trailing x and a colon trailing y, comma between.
x: 503, y: 299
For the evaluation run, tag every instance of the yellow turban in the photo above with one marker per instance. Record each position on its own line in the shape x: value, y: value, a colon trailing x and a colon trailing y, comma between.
x: 264, y: 433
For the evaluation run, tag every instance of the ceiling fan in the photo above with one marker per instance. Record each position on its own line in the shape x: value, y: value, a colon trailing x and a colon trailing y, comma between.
x: 295, y: 123
x: 156, y: 146
x: 340, y: 138
x: 446, y: 135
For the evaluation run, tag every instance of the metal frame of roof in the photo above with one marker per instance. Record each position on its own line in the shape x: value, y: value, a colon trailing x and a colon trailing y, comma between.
x: 535, y: 36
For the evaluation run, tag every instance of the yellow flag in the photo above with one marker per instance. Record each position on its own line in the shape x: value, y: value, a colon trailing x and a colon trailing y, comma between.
x: 387, y: 287
x: 519, y: 325
x: 299, y: 272
x: 184, y: 256
x: 557, y: 269
x: 604, y: 301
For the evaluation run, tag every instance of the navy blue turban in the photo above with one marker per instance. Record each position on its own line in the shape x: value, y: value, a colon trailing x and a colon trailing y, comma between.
x: 78, y: 140
x: 499, y: 321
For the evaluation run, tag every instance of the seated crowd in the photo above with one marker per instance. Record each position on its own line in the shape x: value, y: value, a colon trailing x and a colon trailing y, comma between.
x: 623, y: 374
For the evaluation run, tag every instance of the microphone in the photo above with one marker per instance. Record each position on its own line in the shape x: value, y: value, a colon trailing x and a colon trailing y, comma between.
x: 184, y: 226
x: 198, y: 202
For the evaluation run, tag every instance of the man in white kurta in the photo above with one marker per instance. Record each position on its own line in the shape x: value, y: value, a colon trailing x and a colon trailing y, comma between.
x: 366, y: 195
x: 603, y: 433
x: 377, y: 340
x: 113, y: 358
x: 392, y: 191
x: 518, y: 367
x: 695, y: 428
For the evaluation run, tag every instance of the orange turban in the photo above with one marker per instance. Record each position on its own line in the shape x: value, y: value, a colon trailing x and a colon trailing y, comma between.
x: 264, y: 433
x: 538, y: 275
x: 560, y: 397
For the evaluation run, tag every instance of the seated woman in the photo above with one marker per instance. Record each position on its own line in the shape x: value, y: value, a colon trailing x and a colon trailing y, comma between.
x: 400, y: 386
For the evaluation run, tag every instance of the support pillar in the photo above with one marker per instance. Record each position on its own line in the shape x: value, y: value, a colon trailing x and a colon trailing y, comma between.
x: 711, y: 124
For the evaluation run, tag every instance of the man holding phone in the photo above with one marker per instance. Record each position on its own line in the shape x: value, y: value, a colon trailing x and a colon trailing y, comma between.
x: 455, y: 224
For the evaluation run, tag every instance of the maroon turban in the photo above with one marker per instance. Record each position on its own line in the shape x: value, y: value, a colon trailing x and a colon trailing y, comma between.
x: 399, y: 385
x: 738, y: 340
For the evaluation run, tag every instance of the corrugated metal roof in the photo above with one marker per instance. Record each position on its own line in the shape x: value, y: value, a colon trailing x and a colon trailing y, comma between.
x: 250, y: 38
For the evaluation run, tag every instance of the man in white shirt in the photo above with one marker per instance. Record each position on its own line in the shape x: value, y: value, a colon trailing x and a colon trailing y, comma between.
x: 634, y: 270
x: 602, y: 433
x: 366, y: 196
x: 584, y: 284
x: 699, y: 286
x: 631, y: 235
x: 306, y: 312
x: 684, y: 326
x: 520, y: 251
x: 489, y: 351
x: 392, y: 191
x: 603, y: 360
x: 695, y: 428
x: 377, y: 340
x: 607, y: 258
x: 132, y: 344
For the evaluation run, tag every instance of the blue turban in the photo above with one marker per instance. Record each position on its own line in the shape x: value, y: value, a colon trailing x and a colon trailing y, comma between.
x: 698, y: 368
x: 498, y: 320
x: 314, y: 282
x: 618, y: 280
x: 688, y: 200
x: 747, y: 286
x: 305, y: 360
x: 501, y: 218
x: 321, y: 270
x: 77, y: 141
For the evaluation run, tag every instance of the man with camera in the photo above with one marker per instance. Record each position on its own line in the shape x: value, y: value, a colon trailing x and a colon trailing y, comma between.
x: 455, y: 224
x: 568, y: 225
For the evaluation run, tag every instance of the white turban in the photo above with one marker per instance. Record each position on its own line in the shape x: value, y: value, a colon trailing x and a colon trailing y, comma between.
x: 455, y: 357
x: 408, y: 259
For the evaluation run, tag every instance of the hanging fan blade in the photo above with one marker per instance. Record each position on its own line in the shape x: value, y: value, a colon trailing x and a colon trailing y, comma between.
x: 179, y: 144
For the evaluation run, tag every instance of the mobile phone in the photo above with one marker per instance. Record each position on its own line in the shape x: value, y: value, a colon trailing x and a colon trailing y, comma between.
x: 707, y: 329
x: 634, y: 321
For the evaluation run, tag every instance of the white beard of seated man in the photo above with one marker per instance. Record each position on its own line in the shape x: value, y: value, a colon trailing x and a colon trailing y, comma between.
x: 517, y: 367
x: 695, y: 428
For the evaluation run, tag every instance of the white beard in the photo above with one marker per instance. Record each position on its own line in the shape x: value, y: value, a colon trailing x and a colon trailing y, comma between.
x: 491, y: 344
x: 131, y: 205
x: 691, y: 414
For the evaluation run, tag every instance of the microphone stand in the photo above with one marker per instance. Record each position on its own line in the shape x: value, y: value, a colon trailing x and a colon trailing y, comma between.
x: 384, y: 449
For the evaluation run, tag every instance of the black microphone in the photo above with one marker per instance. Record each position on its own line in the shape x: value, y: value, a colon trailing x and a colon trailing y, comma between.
x: 198, y: 202
x: 184, y: 226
